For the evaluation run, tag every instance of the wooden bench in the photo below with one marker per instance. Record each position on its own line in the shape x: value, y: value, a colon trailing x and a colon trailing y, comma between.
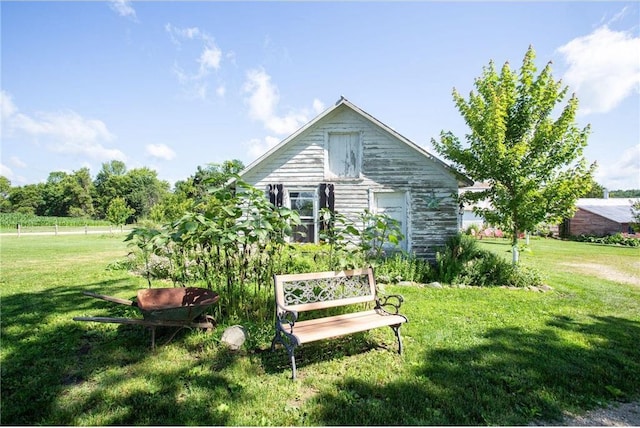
x: 296, y: 293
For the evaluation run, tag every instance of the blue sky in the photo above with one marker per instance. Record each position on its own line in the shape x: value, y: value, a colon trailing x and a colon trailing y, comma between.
x: 174, y: 85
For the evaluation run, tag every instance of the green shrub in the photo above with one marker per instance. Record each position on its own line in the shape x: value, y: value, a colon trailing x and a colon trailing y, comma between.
x: 622, y: 239
x: 462, y: 261
x: 451, y: 260
x: 403, y: 267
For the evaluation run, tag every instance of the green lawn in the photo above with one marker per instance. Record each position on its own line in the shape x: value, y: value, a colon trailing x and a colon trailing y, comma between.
x: 472, y: 356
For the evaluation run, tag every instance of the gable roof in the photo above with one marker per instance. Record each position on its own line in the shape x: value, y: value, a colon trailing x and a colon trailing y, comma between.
x: 615, y: 209
x: 462, y: 179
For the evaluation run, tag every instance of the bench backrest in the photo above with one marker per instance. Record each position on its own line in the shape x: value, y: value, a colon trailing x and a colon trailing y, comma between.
x: 320, y: 290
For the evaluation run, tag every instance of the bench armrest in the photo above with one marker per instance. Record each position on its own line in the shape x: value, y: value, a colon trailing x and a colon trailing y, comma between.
x: 391, y: 301
x: 286, y: 316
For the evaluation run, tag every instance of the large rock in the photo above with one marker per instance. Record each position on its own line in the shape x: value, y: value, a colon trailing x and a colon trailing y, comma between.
x: 234, y: 337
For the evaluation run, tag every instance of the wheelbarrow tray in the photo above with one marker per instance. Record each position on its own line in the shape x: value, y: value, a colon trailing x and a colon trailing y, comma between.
x: 181, y: 304
x: 170, y: 307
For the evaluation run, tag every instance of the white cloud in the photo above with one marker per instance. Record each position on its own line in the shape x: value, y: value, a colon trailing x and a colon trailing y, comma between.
x: 88, y: 149
x: 7, y: 172
x: 61, y: 132
x: 209, y: 59
x: 17, y: 162
x: 263, y: 95
x: 161, y: 151
x: 624, y: 173
x: 177, y: 34
x: 62, y: 125
x: 603, y: 68
x: 617, y: 17
x: 7, y: 107
x: 318, y: 106
x: 258, y: 147
x: 221, y: 91
x: 124, y: 9
x: 263, y: 100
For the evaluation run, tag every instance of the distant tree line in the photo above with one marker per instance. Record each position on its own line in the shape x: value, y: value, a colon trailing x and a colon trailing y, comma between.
x: 116, y: 193
x: 598, y: 191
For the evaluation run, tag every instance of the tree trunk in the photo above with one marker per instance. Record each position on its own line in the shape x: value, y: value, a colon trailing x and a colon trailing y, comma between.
x: 514, y: 246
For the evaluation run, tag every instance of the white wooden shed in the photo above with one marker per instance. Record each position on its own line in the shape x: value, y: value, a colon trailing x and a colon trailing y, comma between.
x: 347, y: 160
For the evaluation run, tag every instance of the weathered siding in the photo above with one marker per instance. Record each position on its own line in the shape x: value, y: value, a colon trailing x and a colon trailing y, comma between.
x: 388, y: 164
x: 588, y: 223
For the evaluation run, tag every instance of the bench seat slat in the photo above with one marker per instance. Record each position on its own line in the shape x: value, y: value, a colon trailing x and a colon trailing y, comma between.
x: 340, y: 325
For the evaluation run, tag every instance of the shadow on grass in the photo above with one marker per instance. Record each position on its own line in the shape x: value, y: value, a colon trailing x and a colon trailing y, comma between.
x: 55, y: 370
x: 277, y: 361
x: 513, y: 377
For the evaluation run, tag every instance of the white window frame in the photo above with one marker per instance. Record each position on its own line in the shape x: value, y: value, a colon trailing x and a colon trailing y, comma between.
x: 316, y: 203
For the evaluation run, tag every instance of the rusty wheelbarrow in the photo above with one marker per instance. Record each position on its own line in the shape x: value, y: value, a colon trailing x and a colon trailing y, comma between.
x: 165, y: 307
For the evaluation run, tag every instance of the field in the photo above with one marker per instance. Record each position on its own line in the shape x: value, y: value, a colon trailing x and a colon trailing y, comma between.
x: 472, y: 356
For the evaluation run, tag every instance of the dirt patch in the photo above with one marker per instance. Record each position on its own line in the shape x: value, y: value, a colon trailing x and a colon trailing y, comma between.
x: 615, y: 415
x: 605, y: 272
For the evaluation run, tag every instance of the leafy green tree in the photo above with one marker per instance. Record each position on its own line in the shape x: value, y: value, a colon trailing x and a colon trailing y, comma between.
x: 55, y: 200
x: 172, y: 207
x: 213, y: 175
x: 5, y: 189
x: 82, y: 186
x: 118, y: 212
x: 629, y: 193
x: 69, y: 194
x: 145, y: 191
x: 532, y: 161
x: 635, y: 211
x: 110, y: 182
x: 27, y: 199
x: 596, y: 191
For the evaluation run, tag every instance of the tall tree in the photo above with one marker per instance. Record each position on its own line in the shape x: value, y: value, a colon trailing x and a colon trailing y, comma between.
x: 145, y: 191
x: 213, y: 175
x: 532, y: 161
x: 28, y: 199
x: 69, y: 194
x: 5, y: 189
x: 596, y: 190
x: 635, y: 212
x: 56, y: 200
x: 118, y: 212
x: 111, y: 182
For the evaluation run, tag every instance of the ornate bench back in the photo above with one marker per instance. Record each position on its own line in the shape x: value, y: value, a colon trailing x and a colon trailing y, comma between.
x: 320, y: 290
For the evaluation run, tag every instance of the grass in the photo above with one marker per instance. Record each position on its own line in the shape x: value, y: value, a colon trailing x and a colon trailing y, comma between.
x: 472, y: 356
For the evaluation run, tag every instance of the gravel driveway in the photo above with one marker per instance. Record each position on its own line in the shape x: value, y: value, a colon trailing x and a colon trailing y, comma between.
x: 615, y: 415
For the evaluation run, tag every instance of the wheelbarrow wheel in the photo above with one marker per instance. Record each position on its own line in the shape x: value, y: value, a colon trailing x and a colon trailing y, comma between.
x: 212, y: 322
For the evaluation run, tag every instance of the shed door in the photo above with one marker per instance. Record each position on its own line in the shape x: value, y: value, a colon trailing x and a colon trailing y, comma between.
x: 393, y: 204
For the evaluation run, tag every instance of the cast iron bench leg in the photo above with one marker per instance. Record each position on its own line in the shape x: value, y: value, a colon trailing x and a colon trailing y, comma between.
x: 396, y: 330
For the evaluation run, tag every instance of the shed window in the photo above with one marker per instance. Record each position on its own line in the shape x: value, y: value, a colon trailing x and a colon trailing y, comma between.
x: 305, y: 203
x: 343, y: 155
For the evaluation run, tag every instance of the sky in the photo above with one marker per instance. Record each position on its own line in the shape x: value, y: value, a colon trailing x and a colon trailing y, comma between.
x: 176, y: 85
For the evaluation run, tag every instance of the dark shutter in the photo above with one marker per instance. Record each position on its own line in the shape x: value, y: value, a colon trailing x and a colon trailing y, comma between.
x: 331, y: 198
x: 276, y: 193
x: 272, y: 194
x: 327, y: 197
x: 327, y: 200
x: 279, y: 195
x: 323, y: 195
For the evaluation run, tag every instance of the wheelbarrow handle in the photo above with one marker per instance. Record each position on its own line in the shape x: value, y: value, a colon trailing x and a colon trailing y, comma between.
x: 109, y: 298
